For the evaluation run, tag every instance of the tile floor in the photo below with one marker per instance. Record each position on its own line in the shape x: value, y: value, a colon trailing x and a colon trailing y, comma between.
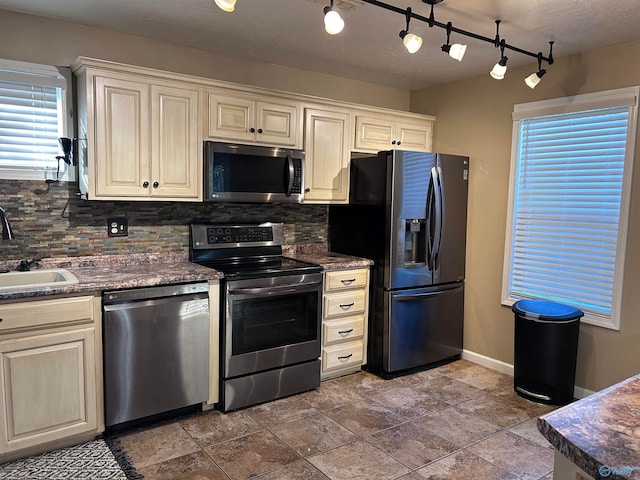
x: 458, y: 421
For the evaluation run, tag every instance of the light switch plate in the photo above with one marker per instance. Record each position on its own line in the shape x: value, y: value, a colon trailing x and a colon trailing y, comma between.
x: 118, y: 227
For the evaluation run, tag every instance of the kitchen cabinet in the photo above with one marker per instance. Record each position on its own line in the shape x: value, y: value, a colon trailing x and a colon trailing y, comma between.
x: 252, y: 118
x: 344, y: 324
x: 50, y: 375
x: 140, y: 137
x: 385, y: 132
x: 327, y: 149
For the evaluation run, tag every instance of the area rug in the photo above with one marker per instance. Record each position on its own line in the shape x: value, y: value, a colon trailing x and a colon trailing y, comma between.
x: 96, y: 460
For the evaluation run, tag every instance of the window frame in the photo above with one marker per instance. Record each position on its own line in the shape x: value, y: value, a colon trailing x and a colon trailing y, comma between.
x: 60, y: 77
x: 607, y: 99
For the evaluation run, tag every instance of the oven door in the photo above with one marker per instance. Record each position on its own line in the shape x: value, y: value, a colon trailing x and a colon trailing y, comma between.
x: 271, y: 322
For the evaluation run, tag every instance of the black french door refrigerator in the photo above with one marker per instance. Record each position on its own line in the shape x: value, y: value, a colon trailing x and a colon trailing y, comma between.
x: 408, y: 213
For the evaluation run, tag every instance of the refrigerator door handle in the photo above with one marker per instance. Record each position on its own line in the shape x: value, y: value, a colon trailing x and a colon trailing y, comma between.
x: 418, y: 296
x: 435, y: 235
x: 430, y: 228
x: 439, y: 218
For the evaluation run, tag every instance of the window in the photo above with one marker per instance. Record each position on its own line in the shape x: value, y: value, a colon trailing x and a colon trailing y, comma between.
x: 33, y: 115
x: 568, y: 202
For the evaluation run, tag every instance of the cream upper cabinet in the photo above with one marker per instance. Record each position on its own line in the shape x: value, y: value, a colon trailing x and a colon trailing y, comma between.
x: 326, y: 145
x: 50, y: 372
x: 140, y: 137
x: 384, y: 132
x: 247, y: 118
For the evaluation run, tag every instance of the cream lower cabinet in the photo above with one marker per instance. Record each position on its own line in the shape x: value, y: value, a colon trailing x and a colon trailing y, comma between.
x: 326, y: 145
x: 251, y: 118
x: 344, y: 324
x: 385, y: 132
x: 51, y: 372
x: 140, y: 137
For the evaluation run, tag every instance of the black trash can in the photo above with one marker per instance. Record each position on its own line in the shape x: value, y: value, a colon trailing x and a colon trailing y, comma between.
x: 545, y: 350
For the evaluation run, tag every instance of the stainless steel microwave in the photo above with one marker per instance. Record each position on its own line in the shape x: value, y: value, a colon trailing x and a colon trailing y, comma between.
x: 249, y: 173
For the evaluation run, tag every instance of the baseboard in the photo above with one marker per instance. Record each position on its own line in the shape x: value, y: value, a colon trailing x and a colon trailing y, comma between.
x: 500, y: 366
x: 488, y: 362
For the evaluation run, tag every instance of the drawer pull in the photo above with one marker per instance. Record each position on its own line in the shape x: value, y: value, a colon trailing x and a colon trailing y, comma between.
x: 341, y: 332
x: 347, y: 305
x: 348, y: 281
x: 344, y: 357
x: 1, y: 320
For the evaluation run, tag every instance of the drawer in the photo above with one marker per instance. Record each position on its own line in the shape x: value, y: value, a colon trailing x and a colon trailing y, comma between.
x: 344, y: 279
x: 349, y: 328
x: 343, y: 304
x: 340, y: 356
x: 45, y: 312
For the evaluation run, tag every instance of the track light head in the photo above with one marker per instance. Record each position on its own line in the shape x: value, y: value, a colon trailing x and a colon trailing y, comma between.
x: 333, y: 23
x: 226, y: 5
x: 534, y: 79
x: 499, y: 69
x: 455, y: 51
x: 411, y: 41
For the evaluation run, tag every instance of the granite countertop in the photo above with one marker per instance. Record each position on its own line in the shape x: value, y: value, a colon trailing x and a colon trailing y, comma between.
x: 110, y: 272
x: 600, y: 433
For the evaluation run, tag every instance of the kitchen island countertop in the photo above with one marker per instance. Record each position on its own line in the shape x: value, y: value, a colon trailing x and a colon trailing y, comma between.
x: 600, y: 433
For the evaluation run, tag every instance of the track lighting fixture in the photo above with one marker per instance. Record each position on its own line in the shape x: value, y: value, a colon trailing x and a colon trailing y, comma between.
x: 333, y: 23
x: 500, y: 68
x: 455, y: 51
x: 534, y: 79
x: 226, y: 5
x: 411, y: 41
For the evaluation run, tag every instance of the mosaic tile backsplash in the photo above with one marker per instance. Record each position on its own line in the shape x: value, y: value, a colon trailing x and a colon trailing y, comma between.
x: 52, y: 221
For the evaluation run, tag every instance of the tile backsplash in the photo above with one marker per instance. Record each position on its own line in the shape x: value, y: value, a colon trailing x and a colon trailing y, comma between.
x: 52, y: 221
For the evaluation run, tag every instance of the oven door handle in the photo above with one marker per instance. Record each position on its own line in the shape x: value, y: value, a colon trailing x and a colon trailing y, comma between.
x: 290, y: 287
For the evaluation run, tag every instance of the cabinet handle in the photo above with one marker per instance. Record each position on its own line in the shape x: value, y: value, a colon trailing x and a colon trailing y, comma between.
x: 307, y: 190
x: 252, y: 130
x: 393, y: 142
x: 344, y: 357
x: 348, y: 281
x: 259, y: 130
x: 347, y: 305
x: 156, y: 184
x: 1, y: 319
x: 145, y: 184
x: 345, y: 332
x: 399, y: 142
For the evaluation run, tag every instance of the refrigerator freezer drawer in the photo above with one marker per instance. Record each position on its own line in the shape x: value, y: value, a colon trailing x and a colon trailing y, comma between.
x: 425, y: 326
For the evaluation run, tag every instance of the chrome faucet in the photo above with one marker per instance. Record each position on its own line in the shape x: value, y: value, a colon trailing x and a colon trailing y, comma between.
x: 7, y: 233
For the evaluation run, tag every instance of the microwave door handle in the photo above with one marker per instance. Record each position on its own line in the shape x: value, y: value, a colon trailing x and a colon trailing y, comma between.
x: 290, y: 175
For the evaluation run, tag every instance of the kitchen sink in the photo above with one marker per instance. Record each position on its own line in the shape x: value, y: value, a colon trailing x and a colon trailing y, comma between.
x: 37, y: 279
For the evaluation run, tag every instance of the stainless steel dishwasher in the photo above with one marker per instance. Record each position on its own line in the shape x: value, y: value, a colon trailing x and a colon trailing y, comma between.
x: 156, y: 350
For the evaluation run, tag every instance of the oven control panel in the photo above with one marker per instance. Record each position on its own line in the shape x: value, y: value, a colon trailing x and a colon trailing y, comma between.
x: 217, y: 235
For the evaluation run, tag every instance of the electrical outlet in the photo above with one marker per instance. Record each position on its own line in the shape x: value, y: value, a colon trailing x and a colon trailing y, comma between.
x: 118, y: 227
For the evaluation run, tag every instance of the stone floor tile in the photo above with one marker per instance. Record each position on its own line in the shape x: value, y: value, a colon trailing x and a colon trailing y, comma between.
x: 365, y: 383
x: 331, y: 394
x: 529, y: 430
x: 252, y: 455
x: 413, y: 445
x: 194, y: 466
x: 215, y: 427
x: 159, y: 444
x: 482, y: 377
x: 281, y: 411
x: 464, y: 465
x: 515, y: 454
x: 358, y: 460
x: 301, y: 470
x: 312, y: 435
x: 409, y: 402
x: 365, y: 417
x: 496, y: 410
x: 460, y: 428
x: 450, y: 391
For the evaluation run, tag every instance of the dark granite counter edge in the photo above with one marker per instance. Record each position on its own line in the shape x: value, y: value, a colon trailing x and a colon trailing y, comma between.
x: 549, y: 424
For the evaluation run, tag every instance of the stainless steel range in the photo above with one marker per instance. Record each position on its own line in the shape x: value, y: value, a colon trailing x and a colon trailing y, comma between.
x: 270, y: 312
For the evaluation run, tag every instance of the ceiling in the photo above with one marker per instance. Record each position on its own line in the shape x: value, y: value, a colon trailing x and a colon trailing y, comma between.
x: 291, y: 32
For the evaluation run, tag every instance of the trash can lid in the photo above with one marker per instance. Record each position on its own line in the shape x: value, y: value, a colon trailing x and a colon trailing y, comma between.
x: 545, y: 310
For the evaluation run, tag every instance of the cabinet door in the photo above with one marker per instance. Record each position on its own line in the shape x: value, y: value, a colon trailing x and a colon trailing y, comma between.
x: 177, y: 166
x: 327, y: 156
x: 122, y: 137
x: 374, y: 133
x: 231, y: 118
x: 277, y: 124
x: 413, y: 136
x: 48, y: 386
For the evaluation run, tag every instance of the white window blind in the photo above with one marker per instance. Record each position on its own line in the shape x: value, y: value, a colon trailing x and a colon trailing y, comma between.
x: 568, y: 209
x: 33, y: 115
